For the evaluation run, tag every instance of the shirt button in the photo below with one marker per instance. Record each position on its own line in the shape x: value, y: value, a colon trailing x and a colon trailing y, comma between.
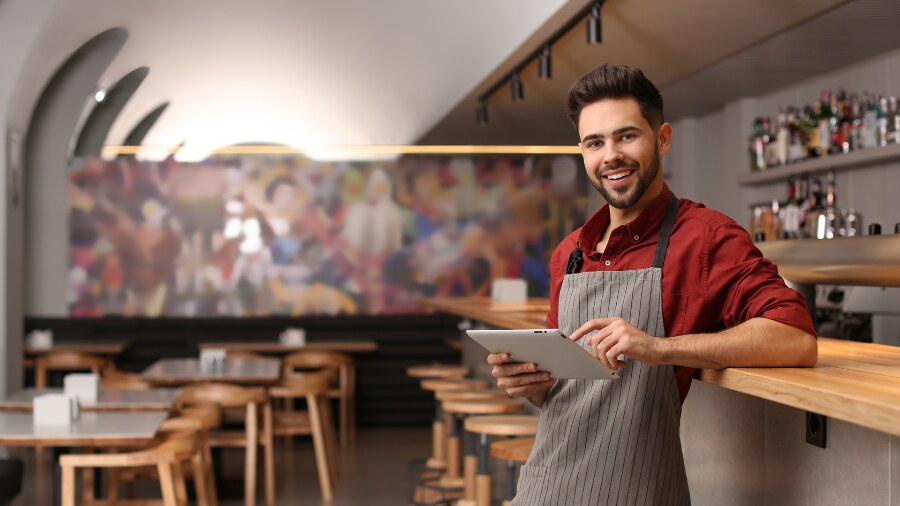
x: 607, y: 263
x: 636, y: 237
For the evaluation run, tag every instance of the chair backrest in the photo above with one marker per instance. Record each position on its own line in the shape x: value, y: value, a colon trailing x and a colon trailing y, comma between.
x: 66, y: 361
x: 313, y: 360
x: 306, y: 383
x: 114, y: 379
x: 245, y: 355
x: 225, y: 395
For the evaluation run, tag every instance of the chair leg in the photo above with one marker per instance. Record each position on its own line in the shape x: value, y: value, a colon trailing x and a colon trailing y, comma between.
x: 167, y: 484
x: 268, y: 453
x: 112, y: 484
x: 180, y: 487
x: 330, y: 439
x: 315, y: 419
x: 199, y: 467
x: 250, y: 462
x: 88, y: 476
x: 68, y: 486
x: 210, y: 474
x: 351, y: 403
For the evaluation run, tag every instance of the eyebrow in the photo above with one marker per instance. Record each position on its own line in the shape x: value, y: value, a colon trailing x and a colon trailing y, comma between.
x: 618, y: 131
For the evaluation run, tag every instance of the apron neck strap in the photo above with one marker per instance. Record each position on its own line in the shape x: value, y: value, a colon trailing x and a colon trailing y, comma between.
x: 665, y: 231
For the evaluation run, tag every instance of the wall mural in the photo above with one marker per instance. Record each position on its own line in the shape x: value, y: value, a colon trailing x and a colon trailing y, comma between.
x: 257, y: 235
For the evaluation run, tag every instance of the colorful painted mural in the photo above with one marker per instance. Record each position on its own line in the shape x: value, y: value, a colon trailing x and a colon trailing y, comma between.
x: 256, y: 235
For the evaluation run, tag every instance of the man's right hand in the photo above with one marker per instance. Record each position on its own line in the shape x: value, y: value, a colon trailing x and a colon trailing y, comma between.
x: 521, y: 379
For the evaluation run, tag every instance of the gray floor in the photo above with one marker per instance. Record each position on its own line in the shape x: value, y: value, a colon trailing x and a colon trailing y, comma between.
x: 373, y: 472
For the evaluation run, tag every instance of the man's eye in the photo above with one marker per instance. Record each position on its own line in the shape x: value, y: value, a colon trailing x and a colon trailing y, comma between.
x: 627, y: 137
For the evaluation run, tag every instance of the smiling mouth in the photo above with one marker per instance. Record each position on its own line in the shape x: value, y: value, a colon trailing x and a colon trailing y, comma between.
x: 620, y: 175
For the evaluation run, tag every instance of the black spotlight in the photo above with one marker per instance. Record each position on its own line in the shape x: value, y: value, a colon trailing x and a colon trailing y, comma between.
x: 594, y: 26
x: 545, y: 70
x: 481, y: 112
x: 516, y: 82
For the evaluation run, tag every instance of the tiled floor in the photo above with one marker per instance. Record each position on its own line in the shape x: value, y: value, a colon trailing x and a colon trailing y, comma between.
x: 373, y: 472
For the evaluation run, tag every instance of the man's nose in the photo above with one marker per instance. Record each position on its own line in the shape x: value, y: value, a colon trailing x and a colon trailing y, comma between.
x: 613, y: 154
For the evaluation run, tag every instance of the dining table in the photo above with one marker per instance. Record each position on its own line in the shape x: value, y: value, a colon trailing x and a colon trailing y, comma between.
x: 184, y: 371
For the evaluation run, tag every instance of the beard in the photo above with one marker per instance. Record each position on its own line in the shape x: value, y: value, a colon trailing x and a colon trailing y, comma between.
x: 625, y: 198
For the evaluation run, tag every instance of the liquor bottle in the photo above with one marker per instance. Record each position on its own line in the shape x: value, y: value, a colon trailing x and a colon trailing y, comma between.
x: 791, y: 212
x: 882, y: 132
x: 870, y: 122
x: 770, y: 147
x: 811, y: 122
x: 831, y: 215
x: 803, y: 203
x: 757, y: 148
x: 856, y: 124
x: 894, y: 122
x: 853, y: 223
x: 815, y: 218
x: 836, y: 105
x: 782, y: 139
x: 797, y: 150
x: 823, y: 117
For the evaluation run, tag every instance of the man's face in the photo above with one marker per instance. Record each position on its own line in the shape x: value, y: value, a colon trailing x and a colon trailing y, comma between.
x: 621, y: 151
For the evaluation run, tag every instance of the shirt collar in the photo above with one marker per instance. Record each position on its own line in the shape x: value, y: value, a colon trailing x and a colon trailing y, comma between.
x: 646, y: 222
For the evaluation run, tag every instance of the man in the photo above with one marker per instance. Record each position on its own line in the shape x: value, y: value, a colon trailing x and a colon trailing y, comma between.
x: 656, y: 286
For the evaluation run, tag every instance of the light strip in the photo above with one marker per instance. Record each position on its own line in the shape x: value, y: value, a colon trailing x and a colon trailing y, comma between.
x: 399, y: 149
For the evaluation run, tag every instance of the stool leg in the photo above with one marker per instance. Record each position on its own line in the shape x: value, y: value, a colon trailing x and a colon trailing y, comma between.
x: 510, y: 481
x: 470, y: 466
x: 483, y: 480
x: 453, y: 448
x: 437, y: 432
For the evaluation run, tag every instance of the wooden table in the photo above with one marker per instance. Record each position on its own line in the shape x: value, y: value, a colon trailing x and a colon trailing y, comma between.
x: 505, y: 315
x: 105, y: 349
x: 92, y: 429
x: 182, y: 371
x: 275, y: 347
x: 155, y: 399
x: 855, y: 382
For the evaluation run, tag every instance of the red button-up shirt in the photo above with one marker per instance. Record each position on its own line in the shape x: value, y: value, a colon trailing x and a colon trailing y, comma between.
x: 713, y: 277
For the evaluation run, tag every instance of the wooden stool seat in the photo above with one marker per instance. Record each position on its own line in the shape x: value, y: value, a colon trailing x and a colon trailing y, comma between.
x: 209, y: 416
x: 516, y: 450
x: 484, y: 406
x: 438, y: 385
x: 503, y: 425
x: 469, y: 395
x: 495, y: 425
x: 437, y: 371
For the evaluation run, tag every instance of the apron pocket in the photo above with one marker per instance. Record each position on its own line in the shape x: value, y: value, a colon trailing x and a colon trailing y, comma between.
x: 532, y: 485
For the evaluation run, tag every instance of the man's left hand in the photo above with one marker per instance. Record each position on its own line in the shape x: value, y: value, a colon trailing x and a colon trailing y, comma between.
x: 616, y: 337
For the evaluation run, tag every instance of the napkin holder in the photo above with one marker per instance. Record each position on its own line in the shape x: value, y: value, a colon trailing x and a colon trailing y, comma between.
x: 42, y: 339
x: 55, y: 409
x: 84, y: 387
x: 509, y: 290
x: 293, y: 337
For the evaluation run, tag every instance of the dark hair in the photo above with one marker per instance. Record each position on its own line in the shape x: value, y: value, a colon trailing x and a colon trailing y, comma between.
x: 616, y: 81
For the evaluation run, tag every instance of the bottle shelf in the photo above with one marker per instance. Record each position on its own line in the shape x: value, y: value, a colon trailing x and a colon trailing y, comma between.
x: 839, y: 162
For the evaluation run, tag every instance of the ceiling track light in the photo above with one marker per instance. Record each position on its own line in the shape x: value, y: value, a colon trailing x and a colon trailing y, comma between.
x: 515, y: 81
x: 481, y: 113
x: 595, y: 25
x: 545, y: 67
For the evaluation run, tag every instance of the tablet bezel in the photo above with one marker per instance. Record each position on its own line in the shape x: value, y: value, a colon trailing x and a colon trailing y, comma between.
x: 548, y: 348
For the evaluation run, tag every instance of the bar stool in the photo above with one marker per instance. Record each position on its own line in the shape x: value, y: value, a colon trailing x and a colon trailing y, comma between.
x: 437, y: 371
x: 465, y: 408
x: 495, y: 425
x: 446, y: 447
x: 512, y: 451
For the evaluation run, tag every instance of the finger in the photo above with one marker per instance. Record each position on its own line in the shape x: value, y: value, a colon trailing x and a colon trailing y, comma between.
x: 527, y: 390
x: 590, y: 325
x: 522, y: 380
x: 612, y: 356
x: 513, y: 369
x: 603, y: 348
x: 497, y: 358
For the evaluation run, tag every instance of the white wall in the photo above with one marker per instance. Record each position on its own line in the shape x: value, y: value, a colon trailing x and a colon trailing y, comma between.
x: 20, y: 23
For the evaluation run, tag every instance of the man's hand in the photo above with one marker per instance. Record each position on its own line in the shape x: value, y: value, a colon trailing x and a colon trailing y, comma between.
x: 521, y: 379
x: 616, y: 337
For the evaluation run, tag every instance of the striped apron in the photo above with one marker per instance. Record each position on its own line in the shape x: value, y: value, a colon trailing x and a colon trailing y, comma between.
x: 603, y: 442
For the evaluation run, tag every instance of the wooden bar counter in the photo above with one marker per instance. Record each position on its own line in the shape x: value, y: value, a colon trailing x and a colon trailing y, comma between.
x: 855, y: 382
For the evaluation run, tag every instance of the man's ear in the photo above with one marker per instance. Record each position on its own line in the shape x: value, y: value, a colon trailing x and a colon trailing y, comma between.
x: 664, y: 138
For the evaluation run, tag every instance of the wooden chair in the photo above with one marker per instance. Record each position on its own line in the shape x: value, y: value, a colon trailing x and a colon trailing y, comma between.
x: 343, y: 383
x: 314, y: 388
x: 230, y: 396
x: 245, y: 355
x: 115, y: 379
x: 167, y: 457
x: 66, y: 361
x: 495, y: 425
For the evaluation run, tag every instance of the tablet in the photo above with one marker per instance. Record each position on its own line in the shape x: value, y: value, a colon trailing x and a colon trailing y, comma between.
x: 548, y: 348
